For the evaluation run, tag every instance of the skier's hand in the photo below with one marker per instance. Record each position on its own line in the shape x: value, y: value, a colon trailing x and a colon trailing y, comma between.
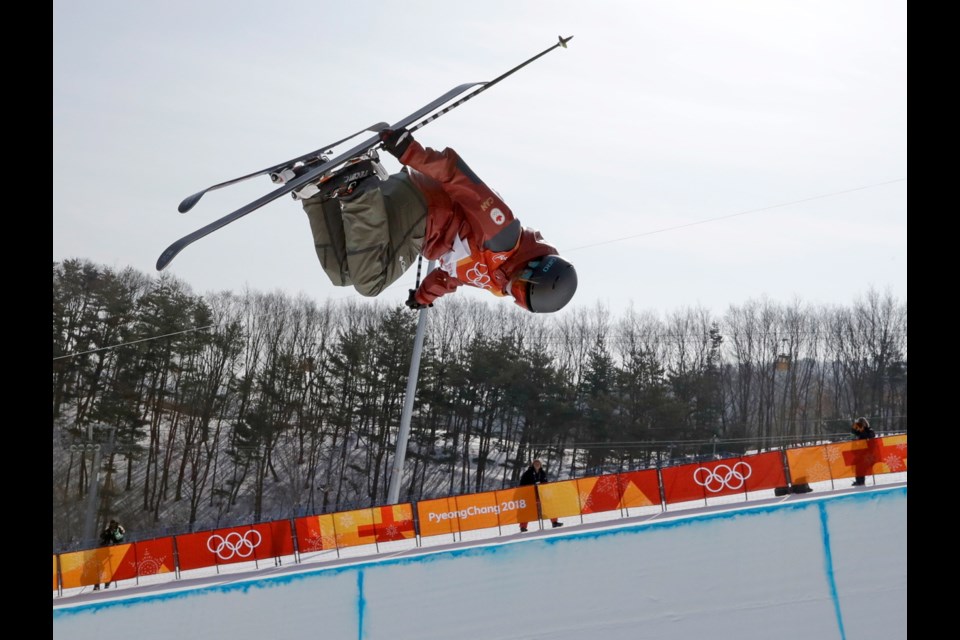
x: 396, y: 141
x: 412, y: 301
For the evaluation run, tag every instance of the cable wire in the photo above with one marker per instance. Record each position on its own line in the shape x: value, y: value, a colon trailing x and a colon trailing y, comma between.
x: 733, y: 215
x: 123, y: 344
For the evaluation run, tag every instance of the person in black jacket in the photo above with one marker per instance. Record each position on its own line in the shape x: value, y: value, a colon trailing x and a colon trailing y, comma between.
x: 536, y: 475
x: 113, y: 534
x: 861, y: 431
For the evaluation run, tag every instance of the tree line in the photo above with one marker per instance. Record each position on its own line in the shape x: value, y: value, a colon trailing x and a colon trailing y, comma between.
x: 226, y: 408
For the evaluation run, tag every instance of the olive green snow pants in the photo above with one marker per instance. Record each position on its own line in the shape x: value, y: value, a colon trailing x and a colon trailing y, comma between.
x: 370, y: 238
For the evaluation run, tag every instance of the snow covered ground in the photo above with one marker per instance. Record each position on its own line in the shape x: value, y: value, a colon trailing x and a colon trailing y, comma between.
x: 828, y: 564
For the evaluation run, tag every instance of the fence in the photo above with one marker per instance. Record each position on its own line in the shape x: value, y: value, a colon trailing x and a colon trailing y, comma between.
x: 429, y: 521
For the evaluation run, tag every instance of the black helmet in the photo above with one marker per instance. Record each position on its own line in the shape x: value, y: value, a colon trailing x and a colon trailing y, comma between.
x: 545, y: 285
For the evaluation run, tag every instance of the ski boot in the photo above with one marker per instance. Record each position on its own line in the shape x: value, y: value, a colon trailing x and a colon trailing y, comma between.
x: 345, y: 180
x: 297, y: 169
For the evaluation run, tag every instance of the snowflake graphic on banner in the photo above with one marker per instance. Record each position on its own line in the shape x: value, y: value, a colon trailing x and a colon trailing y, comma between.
x: 895, y: 462
x: 608, y: 487
x: 586, y: 499
x: 819, y: 471
x: 834, y: 454
x: 347, y: 520
x: 148, y: 565
x: 392, y: 531
x: 314, y: 541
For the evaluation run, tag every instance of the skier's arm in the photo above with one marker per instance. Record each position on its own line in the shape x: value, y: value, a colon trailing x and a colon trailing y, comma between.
x: 486, y: 212
x: 437, y: 283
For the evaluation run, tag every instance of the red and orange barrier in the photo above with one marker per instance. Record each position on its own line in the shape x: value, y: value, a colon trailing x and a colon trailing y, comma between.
x: 491, y: 509
x: 118, y: 562
x: 476, y: 511
x: 847, y: 459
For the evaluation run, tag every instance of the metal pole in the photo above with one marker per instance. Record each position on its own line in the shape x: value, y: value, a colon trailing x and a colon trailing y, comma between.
x: 396, y: 474
x: 90, y: 515
x: 393, y: 494
x: 89, y: 529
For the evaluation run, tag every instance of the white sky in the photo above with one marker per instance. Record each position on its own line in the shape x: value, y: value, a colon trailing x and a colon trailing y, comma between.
x: 658, y: 116
x: 793, y: 568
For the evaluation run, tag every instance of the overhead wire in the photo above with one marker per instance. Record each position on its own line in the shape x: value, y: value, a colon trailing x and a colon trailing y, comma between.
x: 586, y: 246
x: 733, y: 215
x: 123, y: 344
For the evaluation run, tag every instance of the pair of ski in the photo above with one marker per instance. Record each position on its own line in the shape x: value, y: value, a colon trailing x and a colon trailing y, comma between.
x: 314, y: 165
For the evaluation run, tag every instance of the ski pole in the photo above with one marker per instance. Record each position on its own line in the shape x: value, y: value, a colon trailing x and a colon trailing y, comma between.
x: 562, y: 43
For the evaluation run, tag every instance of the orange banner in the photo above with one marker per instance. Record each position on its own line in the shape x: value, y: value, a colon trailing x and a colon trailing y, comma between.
x: 561, y: 499
x: 848, y: 459
x: 394, y: 522
x: 894, y: 457
x: 438, y: 517
x: 96, y: 566
x: 868, y: 457
x: 639, y: 488
x: 378, y: 524
x: 477, y: 511
x: 481, y: 509
x: 55, y: 581
x: 517, y: 505
x: 348, y: 525
x: 602, y: 493
x: 808, y: 464
x: 616, y: 491
x: 316, y: 533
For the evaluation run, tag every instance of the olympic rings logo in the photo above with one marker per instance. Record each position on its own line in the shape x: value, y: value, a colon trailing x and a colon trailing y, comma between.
x: 723, y: 476
x: 234, y: 544
x: 477, y: 275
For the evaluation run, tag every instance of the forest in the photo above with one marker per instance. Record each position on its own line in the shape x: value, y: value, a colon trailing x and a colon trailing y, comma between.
x: 192, y: 411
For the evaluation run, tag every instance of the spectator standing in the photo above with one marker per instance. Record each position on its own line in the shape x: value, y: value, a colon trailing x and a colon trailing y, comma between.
x: 861, y: 431
x: 112, y: 535
x: 535, y: 475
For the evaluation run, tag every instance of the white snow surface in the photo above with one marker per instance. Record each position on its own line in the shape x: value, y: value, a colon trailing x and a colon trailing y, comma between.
x: 828, y: 564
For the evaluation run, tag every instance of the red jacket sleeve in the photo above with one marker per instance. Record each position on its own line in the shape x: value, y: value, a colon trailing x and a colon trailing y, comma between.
x: 486, y: 213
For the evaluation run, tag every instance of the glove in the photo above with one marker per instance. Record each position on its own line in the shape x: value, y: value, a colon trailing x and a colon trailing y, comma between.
x: 396, y: 142
x: 412, y: 301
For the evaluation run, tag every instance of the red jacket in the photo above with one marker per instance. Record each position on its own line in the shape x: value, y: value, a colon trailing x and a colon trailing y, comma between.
x: 471, y: 232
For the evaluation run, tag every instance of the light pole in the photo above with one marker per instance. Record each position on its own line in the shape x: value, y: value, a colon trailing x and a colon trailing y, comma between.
x: 90, y: 515
x: 396, y: 474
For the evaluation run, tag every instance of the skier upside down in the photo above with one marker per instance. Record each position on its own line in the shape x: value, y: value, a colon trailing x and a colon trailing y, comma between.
x: 369, y: 231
